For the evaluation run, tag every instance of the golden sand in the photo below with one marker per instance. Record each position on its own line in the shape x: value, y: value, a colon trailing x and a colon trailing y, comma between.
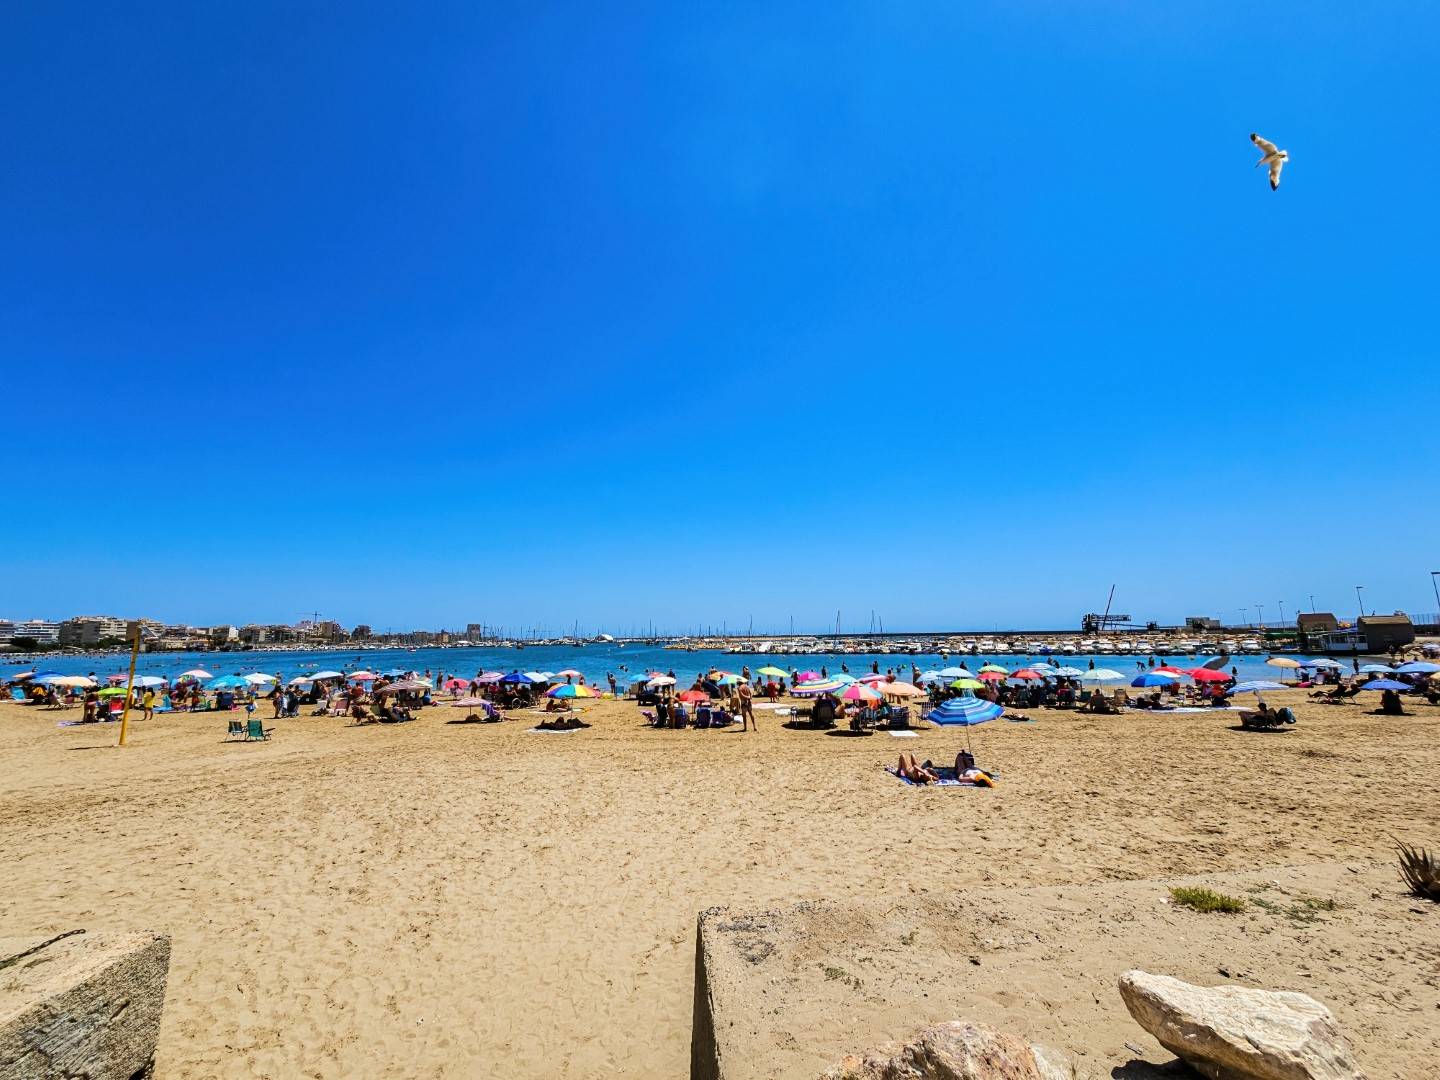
x: 470, y: 900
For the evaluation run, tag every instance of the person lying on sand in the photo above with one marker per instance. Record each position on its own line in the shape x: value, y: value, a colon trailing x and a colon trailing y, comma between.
x: 915, y: 772
x: 562, y: 723
x: 360, y: 714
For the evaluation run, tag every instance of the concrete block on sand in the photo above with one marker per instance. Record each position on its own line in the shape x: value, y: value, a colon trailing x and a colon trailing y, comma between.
x: 81, y: 1005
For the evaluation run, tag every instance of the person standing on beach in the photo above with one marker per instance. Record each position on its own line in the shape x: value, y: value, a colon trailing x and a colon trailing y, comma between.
x: 747, y: 707
x: 149, y: 703
x: 611, y: 676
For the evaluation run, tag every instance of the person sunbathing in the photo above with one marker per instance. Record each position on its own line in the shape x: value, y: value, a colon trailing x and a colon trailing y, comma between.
x: 361, y: 714
x: 916, y: 773
x: 562, y: 723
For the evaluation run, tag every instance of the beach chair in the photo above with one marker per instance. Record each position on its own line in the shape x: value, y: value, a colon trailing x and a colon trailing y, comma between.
x: 702, y: 716
x: 338, y: 707
x: 17, y: 694
x: 165, y: 704
x: 235, y: 729
x: 254, y: 730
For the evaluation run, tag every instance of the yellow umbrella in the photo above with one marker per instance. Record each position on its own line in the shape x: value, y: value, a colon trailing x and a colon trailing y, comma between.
x: 995, y: 667
x: 1282, y: 661
x: 967, y: 684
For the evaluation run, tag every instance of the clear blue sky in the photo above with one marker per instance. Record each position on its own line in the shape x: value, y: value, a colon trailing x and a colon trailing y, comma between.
x: 418, y: 314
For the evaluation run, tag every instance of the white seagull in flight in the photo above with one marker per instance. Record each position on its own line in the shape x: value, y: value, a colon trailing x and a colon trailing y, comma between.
x: 1271, y: 155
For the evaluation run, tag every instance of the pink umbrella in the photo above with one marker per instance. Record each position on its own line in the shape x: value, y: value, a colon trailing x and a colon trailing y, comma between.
x: 467, y: 702
x: 991, y: 676
x: 858, y: 691
x: 363, y: 676
x: 873, y: 678
x: 1024, y: 673
x: 808, y: 676
x: 456, y: 684
x: 570, y: 671
x: 491, y: 677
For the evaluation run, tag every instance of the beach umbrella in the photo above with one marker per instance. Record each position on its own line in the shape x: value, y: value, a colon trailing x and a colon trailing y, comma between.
x: 144, y: 680
x: 259, y: 678
x: 1153, y: 678
x: 569, y: 672
x: 1386, y: 684
x: 995, y: 667
x: 1026, y: 673
x: 930, y: 677
x: 44, y: 676
x: 1101, y: 674
x: 196, y: 673
x: 900, y: 690
x: 1417, y: 667
x: 966, y: 684
x: 1068, y: 672
x: 467, y: 702
x: 404, y: 684
x: 661, y: 680
x: 575, y: 690
x: 112, y: 691
x: 1377, y: 669
x: 74, y: 680
x: 517, y: 677
x: 301, y: 680
x: 1205, y: 674
x: 539, y: 676
x: 394, y: 673
x: 858, y: 691
x: 22, y: 676
x: 991, y: 676
x: 488, y: 678
x: 807, y: 676
x: 773, y: 672
x: 1045, y: 670
x: 1322, y: 662
x: 964, y: 711
x: 694, y: 695
x: 873, y: 678
x: 227, y: 682
x: 327, y: 675
x: 954, y: 673
x: 1168, y: 670
x: 819, y: 686
x: 363, y: 676
x: 1258, y: 686
x: 456, y: 684
x: 1282, y: 662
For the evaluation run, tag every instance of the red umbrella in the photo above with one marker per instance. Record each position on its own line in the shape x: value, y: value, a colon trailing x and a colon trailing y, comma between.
x: 1205, y: 674
x: 991, y: 676
x: 694, y: 695
x: 456, y: 684
x: 1024, y: 673
x: 1168, y: 670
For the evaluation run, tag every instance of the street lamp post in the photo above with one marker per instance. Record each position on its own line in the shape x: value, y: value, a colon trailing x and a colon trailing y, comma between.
x: 1260, y: 613
x: 1282, y: 611
x: 1433, y: 575
x: 1360, y: 600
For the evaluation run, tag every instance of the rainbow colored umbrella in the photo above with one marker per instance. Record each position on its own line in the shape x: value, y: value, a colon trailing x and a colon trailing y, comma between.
x: 858, y: 691
x: 571, y: 690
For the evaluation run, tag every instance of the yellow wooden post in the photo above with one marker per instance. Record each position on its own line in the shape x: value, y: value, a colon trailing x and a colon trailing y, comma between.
x: 130, y: 684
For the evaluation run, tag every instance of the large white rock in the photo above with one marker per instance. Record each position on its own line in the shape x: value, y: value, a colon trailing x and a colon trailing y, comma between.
x: 1236, y: 1033
x: 955, y: 1050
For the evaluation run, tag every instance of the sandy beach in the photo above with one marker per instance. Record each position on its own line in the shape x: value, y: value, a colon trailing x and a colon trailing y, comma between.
x: 435, y: 898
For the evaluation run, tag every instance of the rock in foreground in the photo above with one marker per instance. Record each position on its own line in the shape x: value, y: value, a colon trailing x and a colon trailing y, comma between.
x: 955, y: 1051
x: 1236, y: 1033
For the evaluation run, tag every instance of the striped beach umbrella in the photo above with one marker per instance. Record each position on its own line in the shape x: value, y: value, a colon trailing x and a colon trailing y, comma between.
x: 571, y: 690
x: 964, y: 711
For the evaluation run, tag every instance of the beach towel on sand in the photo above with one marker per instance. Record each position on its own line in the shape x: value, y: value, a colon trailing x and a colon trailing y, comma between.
x: 946, y: 774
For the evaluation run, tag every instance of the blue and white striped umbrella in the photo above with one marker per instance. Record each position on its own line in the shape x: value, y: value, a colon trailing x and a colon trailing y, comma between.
x: 1256, y: 687
x: 964, y: 711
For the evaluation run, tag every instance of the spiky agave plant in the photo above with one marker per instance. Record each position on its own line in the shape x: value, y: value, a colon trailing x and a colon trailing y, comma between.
x: 1420, y: 870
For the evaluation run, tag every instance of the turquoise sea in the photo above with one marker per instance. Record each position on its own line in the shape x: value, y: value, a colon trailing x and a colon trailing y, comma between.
x: 593, y: 661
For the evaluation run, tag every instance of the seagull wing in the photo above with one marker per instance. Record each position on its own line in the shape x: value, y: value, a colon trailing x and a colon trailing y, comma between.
x: 1275, y: 167
x: 1265, y: 145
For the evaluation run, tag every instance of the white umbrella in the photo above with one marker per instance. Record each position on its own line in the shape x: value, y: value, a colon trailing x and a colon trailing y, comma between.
x: 259, y: 678
x: 71, y: 680
x: 328, y: 675
x: 148, y: 680
x: 1101, y: 675
x: 661, y: 680
x: 196, y: 673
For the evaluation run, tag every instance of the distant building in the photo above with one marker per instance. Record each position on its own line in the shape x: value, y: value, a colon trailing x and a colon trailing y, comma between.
x: 7, y: 629
x: 1370, y: 634
x: 362, y: 632
x: 475, y: 631
x: 91, y: 630
x: 1316, y: 622
x: 224, y: 635
x: 42, y: 631
x: 1202, y: 623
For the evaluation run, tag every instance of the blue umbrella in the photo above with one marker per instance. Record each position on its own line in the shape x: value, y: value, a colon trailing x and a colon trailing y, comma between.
x: 1257, y: 687
x: 1417, y: 667
x: 517, y: 677
x: 1069, y: 672
x: 1385, y: 684
x: 1376, y: 669
x: 1150, y: 678
x: 227, y: 682
x: 955, y: 673
x: 964, y: 711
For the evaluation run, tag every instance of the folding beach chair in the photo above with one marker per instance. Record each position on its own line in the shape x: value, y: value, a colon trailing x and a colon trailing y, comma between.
x: 254, y: 730
x: 339, y: 707
x: 235, y: 729
x: 17, y: 693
